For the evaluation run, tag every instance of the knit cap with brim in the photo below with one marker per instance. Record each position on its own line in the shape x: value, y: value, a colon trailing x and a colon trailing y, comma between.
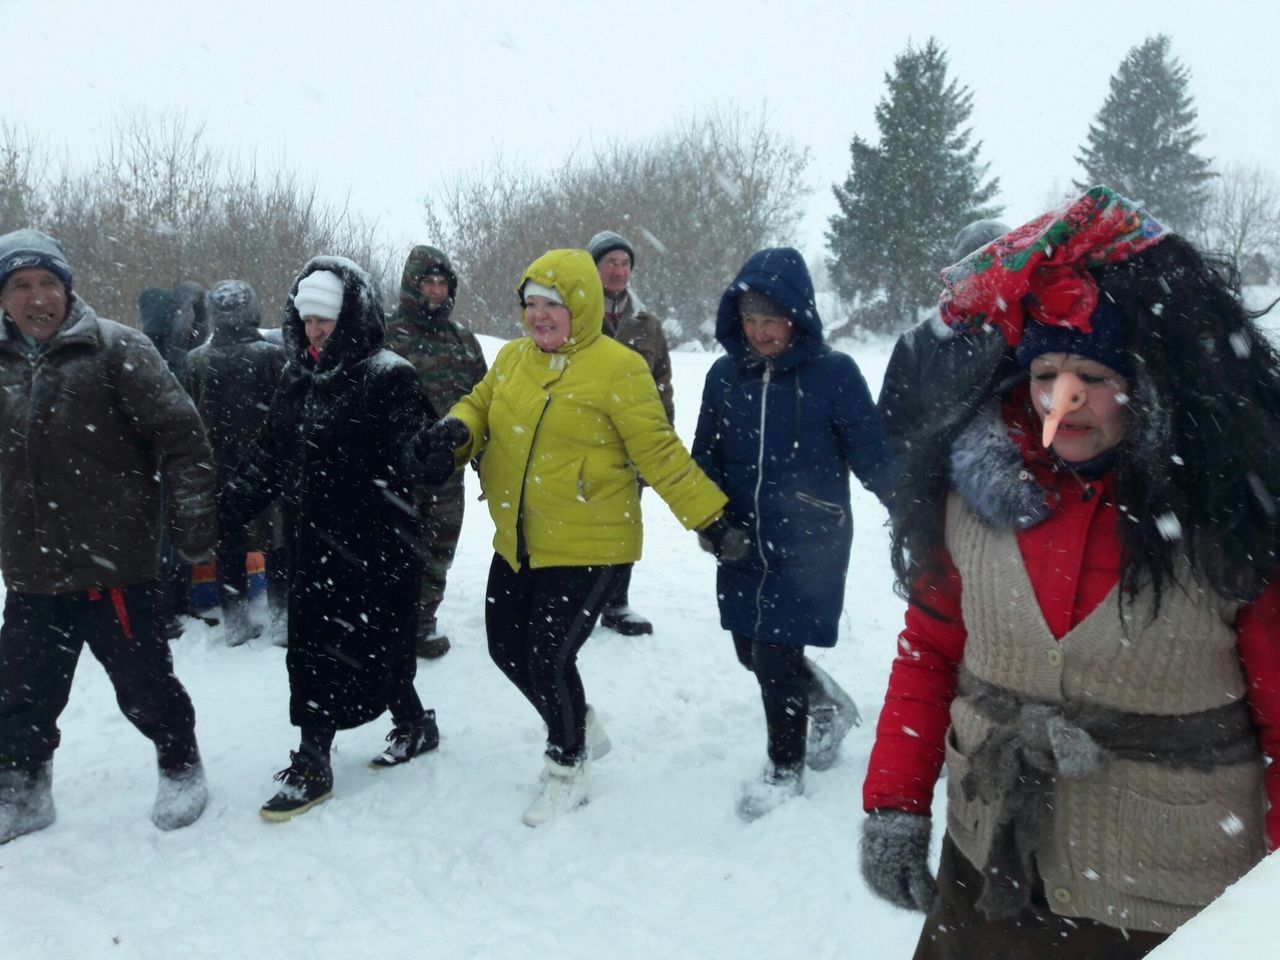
x: 33, y: 248
x: 319, y: 295
x: 605, y: 242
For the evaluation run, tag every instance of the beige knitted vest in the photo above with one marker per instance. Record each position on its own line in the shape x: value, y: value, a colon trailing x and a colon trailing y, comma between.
x: 1136, y: 845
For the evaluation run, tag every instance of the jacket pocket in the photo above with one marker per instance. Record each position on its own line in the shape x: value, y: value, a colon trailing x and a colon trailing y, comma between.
x: 971, y: 823
x: 1182, y: 853
x: 835, y: 510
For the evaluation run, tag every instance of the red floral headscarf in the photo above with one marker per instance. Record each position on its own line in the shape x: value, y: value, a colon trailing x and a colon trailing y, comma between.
x: 1042, y: 267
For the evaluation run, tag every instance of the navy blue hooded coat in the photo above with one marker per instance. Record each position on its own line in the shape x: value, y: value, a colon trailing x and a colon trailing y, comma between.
x: 780, y: 436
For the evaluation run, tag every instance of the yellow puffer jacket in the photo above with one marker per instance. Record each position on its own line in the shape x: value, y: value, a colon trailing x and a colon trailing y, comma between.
x: 564, y: 433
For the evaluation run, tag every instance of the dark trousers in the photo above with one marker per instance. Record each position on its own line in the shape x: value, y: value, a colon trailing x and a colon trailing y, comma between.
x: 40, y: 642
x: 784, y: 682
x: 620, y: 591
x: 279, y: 578
x: 956, y: 930
x: 233, y: 579
x: 537, y: 621
x: 442, y: 509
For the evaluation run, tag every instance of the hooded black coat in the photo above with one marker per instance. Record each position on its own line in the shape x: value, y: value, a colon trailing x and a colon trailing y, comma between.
x: 334, y: 448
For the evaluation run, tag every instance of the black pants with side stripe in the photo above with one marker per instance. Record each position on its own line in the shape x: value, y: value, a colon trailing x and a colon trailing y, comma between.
x: 40, y: 642
x: 537, y: 621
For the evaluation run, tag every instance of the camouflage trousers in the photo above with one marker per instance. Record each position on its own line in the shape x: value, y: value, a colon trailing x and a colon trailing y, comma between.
x: 442, y: 509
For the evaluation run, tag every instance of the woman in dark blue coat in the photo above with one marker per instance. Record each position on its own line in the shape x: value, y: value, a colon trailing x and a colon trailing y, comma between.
x: 784, y: 419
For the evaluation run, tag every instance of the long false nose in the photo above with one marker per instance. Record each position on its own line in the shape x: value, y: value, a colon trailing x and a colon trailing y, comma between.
x: 1068, y: 395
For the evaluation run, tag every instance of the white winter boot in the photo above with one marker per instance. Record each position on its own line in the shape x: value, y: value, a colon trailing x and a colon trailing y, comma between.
x: 561, y: 789
x: 598, y: 742
x: 26, y: 801
x: 180, y: 797
x: 775, y: 787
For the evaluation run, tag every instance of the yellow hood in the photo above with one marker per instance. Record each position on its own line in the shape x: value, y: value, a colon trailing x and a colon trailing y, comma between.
x: 572, y: 274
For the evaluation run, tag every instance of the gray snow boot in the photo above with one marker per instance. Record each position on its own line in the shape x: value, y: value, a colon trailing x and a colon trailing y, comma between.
x: 278, y: 631
x: 181, y: 797
x: 237, y: 628
x: 181, y: 794
x: 775, y: 787
x: 26, y: 801
x: 832, y: 713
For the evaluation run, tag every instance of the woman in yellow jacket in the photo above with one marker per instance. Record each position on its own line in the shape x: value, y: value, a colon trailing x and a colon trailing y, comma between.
x: 566, y: 418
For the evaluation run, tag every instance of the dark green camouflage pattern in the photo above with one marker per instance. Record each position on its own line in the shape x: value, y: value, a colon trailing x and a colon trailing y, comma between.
x: 442, y: 509
x: 447, y: 356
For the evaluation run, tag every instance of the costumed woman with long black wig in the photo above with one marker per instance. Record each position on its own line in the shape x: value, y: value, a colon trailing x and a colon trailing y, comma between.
x: 1091, y: 636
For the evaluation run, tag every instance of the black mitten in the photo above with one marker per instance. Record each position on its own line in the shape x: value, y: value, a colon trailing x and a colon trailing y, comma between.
x: 433, y: 449
x: 895, y: 858
x: 730, y: 544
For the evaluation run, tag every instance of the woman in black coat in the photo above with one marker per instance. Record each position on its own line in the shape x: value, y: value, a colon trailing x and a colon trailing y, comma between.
x: 333, y: 448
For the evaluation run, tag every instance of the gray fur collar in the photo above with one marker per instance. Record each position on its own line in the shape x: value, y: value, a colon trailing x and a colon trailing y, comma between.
x: 988, y: 473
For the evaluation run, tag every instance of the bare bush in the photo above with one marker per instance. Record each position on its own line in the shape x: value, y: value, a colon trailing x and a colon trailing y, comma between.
x: 21, y: 183
x: 1242, y: 215
x: 695, y: 202
x: 158, y: 205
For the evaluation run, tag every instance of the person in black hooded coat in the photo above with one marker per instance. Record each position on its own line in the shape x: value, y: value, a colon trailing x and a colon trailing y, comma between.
x: 334, y: 448
x: 231, y: 379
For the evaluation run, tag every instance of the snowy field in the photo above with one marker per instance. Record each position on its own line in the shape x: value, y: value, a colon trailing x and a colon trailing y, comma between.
x: 431, y: 859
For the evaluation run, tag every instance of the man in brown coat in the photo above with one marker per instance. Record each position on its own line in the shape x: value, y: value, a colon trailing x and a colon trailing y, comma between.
x: 91, y: 419
x: 627, y: 321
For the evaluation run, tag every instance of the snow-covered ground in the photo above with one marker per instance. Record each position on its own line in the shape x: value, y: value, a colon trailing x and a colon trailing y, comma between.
x: 431, y: 859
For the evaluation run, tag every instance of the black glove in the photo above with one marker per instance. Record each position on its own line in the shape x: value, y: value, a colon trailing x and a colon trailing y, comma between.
x: 730, y: 544
x: 433, y: 449
x: 895, y: 858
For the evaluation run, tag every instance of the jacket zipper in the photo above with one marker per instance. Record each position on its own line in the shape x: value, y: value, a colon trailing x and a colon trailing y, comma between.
x: 764, y: 406
x: 521, y: 547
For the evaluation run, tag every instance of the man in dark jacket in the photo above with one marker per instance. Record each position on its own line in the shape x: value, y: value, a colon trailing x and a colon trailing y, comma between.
x: 175, y: 322
x: 449, y: 361
x: 232, y: 379
x: 627, y: 321
x: 90, y: 421
x: 933, y: 374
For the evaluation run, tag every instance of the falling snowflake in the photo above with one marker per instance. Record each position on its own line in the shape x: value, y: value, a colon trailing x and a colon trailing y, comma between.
x: 1169, y: 527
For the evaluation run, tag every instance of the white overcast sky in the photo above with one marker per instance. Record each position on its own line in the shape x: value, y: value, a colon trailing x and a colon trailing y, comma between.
x: 388, y: 99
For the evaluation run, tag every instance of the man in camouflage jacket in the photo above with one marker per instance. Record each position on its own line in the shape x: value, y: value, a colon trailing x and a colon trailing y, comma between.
x: 627, y: 321
x: 449, y: 361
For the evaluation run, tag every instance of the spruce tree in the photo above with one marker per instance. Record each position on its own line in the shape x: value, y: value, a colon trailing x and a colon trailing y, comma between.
x: 1142, y: 141
x: 906, y: 197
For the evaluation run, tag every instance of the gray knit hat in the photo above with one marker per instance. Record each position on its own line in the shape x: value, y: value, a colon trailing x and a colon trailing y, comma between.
x: 32, y: 248
x: 606, y: 241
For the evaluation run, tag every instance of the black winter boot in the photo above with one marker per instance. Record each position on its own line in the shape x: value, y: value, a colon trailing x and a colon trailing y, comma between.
x: 431, y: 643
x: 405, y: 743
x: 306, y: 782
x: 625, y: 621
